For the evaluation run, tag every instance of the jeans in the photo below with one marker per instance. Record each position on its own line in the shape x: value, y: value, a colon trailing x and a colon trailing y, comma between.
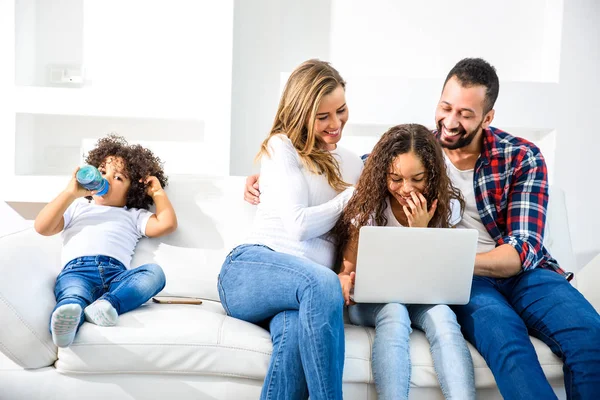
x: 391, y: 355
x: 501, y: 315
x: 87, y: 279
x: 302, y: 302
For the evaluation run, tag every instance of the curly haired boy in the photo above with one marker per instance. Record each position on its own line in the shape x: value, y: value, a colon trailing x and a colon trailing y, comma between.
x: 100, y: 234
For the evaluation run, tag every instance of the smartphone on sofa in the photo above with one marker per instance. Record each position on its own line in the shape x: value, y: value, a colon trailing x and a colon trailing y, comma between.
x: 176, y: 300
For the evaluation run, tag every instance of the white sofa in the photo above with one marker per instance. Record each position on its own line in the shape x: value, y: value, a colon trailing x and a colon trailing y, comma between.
x: 186, y: 351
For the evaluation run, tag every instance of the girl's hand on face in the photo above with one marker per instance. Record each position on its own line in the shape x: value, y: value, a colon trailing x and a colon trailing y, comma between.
x: 153, y: 184
x: 416, y: 212
x: 75, y: 190
x: 347, y: 282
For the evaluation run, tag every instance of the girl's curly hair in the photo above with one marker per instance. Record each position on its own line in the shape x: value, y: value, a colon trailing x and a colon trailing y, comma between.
x: 368, y: 201
x: 139, y: 163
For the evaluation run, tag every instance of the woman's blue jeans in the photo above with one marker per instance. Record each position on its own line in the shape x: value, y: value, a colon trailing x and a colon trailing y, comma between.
x: 303, y: 304
x: 87, y: 279
x: 501, y: 315
x: 391, y: 350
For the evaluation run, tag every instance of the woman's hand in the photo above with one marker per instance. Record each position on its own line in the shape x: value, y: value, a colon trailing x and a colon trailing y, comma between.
x: 416, y: 212
x: 75, y: 190
x: 154, y: 186
x: 347, y: 282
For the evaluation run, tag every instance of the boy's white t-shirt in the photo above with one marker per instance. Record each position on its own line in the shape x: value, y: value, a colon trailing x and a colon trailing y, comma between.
x: 92, y: 229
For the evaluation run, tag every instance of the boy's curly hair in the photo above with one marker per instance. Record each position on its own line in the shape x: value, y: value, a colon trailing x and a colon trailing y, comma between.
x: 139, y: 163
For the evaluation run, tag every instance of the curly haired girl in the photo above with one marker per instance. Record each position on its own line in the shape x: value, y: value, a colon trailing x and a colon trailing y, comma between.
x: 405, y: 184
x: 100, y: 235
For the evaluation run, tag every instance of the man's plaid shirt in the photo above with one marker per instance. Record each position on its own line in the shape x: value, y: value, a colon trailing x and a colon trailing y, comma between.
x: 511, y: 190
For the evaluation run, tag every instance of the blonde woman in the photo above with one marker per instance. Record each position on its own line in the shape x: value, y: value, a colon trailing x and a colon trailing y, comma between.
x: 282, y: 277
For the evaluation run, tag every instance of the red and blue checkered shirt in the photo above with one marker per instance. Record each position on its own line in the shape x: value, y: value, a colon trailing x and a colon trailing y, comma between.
x: 511, y: 190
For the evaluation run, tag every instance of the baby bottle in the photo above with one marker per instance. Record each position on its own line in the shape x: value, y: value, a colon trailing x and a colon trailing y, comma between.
x: 90, y: 178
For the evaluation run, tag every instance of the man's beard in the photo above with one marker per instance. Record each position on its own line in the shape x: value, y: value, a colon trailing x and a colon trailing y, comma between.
x: 465, y: 138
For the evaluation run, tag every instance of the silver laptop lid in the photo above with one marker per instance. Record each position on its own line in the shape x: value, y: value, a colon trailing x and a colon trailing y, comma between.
x: 414, y: 265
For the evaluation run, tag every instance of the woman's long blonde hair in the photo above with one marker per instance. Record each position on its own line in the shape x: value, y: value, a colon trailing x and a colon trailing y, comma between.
x: 296, y: 115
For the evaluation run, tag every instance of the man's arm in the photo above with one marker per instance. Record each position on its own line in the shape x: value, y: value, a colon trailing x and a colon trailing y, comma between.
x: 251, y: 191
x: 520, y: 248
x: 502, y: 262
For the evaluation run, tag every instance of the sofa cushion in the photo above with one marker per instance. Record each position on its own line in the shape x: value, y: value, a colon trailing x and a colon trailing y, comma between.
x: 170, y: 338
x: 213, y: 218
x: 202, y: 340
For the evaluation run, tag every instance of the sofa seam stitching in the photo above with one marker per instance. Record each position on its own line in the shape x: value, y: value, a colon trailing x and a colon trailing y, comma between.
x: 31, y: 330
x: 15, y: 232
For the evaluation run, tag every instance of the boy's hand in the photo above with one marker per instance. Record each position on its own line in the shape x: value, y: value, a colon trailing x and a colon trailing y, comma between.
x: 154, y: 186
x: 75, y: 190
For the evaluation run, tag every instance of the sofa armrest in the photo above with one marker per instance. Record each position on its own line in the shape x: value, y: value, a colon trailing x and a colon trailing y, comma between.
x: 29, y: 264
x: 588, y: 282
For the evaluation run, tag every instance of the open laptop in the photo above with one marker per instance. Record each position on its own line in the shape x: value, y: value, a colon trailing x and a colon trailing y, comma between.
x: 414, y: 265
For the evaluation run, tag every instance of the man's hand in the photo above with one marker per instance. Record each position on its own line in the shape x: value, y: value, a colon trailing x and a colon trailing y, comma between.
x: 347, y: 282
x: 251, y: 192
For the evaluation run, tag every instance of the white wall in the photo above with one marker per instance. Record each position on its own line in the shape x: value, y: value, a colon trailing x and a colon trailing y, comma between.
x: 270, y: 37
x: 425, y: 39
x: 59, y: 36
x: 46, y: 33
x: 578, y: 140
x: 166, y: 60
x: 155, y: 71
x: 56, y: 144
x: 7, y: 85
x: 25, y: 37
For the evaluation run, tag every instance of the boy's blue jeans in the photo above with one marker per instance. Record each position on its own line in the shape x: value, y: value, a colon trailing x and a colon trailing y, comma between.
x: 501, y: 315
x: 302, y: 302
x: 87, y: 279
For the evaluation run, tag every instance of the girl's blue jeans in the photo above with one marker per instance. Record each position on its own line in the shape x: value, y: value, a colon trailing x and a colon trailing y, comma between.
x: 391, y: 350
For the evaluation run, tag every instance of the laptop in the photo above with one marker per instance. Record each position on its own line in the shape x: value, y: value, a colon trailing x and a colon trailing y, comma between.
x: 414, y: 265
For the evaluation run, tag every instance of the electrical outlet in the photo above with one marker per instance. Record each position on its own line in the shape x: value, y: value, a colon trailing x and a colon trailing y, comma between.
x: 66, y: 75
